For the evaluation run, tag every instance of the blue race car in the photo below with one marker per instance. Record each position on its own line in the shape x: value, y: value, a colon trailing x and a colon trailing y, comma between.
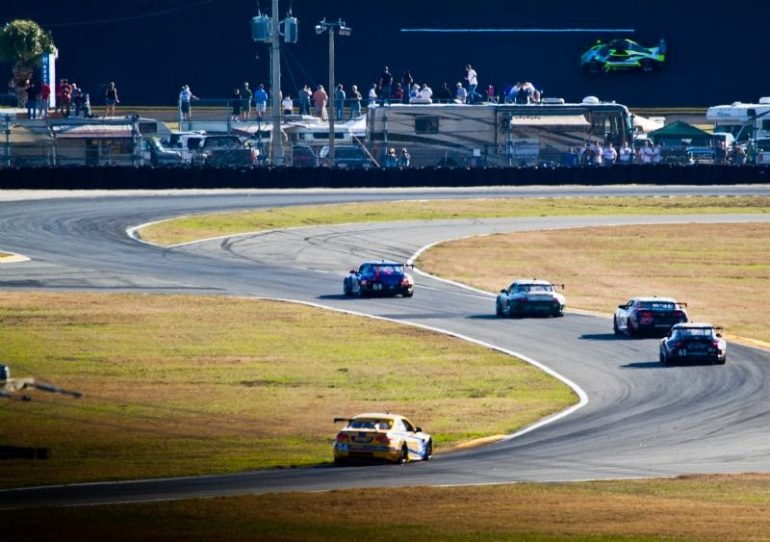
x: 622, y: 55
x: 378, y: 278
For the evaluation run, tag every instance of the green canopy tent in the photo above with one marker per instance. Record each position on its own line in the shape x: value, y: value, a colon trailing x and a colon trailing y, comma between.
x: 681, y: 134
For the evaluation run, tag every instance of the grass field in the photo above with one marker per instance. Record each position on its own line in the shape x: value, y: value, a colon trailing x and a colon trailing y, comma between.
x: 189, y: 385
x: 720, y: 270
x: 692, y: 508
x: 190, y: 228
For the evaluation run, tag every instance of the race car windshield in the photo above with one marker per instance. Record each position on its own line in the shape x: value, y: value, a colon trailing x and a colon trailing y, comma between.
x: 370, y: 424
x: 389, y: 269
x: 695, y: 332
x: 535, y: 288
x: 657, y: 305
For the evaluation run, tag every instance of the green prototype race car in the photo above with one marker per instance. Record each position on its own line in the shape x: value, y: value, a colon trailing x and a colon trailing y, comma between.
x: 622, y: 55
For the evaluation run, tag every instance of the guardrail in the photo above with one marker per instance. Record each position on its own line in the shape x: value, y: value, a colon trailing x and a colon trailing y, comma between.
x: 114, y: 177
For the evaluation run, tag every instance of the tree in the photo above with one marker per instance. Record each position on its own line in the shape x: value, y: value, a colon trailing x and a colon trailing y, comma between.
x: 23, y: 42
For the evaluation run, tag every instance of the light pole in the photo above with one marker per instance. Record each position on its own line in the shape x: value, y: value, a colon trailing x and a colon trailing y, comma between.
x: 343, y: 30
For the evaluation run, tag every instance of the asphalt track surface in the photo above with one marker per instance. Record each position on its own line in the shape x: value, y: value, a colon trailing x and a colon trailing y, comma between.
x: 636, y: 419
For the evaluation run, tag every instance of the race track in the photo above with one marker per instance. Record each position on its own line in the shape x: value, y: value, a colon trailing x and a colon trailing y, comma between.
x: 640, y: 419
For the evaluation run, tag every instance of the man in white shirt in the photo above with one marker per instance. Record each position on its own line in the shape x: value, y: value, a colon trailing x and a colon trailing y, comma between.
x: 626, y: 154
x: 609, y: 155
x: 473, y: 82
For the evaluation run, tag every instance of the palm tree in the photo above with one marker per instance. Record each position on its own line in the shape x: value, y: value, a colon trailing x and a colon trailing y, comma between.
x: 23, y: 42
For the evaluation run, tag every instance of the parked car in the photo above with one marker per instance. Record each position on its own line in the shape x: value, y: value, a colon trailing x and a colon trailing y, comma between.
x: 530, y: 297
x: 381, y: 436
x: 158, y: 155
x: 346, y: 157
x: 225, y: 151
x: 378, y: 278
x: 699, y: 342
x: 648, y: 315
x: 303, y: 156
x: 622, y: 55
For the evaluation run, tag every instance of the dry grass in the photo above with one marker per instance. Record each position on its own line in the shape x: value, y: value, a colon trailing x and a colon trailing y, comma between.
x: 720, y: 270
x: 187, y: 385
x: 206, y: 226
x: 692, y: 508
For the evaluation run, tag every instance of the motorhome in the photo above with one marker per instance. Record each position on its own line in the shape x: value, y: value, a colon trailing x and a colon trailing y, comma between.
x: 748, y: 123
x: 491, y: 134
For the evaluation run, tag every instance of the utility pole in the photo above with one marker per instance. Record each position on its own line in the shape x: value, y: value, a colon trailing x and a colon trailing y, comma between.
x: 266, y: 29
x: 344, y: 30
x: 275, y: 86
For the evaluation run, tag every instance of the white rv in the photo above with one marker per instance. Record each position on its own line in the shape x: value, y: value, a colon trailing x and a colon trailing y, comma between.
x: 748, y: 123
x: 548, y: 133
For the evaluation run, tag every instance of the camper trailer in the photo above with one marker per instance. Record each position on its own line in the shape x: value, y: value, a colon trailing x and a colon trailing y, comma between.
x: 547, y: 133
x: 746, y: 123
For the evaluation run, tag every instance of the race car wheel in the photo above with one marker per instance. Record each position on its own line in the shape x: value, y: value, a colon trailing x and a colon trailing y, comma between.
x: 346, y: 289
x: 594, y: 67
x: 647, y: 65
x: 408, y: 293
x: 404, y: 456
x: 662, y: 357
x: 721, y: 361
x: 428, y: 452
x: 498, y: 309
x: 615, y: 327
x: 630, y: 328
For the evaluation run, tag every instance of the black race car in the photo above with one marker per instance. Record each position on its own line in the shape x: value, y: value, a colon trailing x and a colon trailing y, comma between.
x: 378, y: 278
x: 648, y: 315
x: 693, y: 342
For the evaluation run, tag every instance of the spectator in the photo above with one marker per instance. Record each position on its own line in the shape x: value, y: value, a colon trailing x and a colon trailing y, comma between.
x: 461, y: 95
x: 287, y: 104
x: 372, y: 96
x: 260, y: 101
x: 45, y: 96
x: 246, y: 95
x: 398, y: 93
x: 236, y: 103
x: 320, y: 98
x: 414, y: 93
x: 406, y: 82
x: 386, y: 85
x: 339, y: 101
x: 66, y: 98
x: 304, y: 100
x: 404, y: 159
x: 185, y: 96
x: 355, y: 102
x: 491, y: 97
x: 657, y: 154
x: 473, y: 83
x: 625, y: 155
x: 31, y: 90
x: 646, y: 153
x: 443, y: 94
x: 77, y: 98
x: 110, y: 99
x: 391, y: 160
x: 426, y: 93
x: 609, y: 155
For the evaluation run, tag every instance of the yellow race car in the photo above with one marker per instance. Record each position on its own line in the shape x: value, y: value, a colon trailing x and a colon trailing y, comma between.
x: 381, y: 437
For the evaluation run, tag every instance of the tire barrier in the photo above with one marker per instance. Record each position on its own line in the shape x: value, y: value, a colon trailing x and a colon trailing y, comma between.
x: 126, y: 177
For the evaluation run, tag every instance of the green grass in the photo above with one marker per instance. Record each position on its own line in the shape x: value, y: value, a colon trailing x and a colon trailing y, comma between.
x: 180, y: 385
x: 196, y: 227
x: 702, y: 508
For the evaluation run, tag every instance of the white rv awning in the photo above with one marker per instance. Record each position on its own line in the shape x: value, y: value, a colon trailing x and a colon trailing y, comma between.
x: 95, y: 131
x: 549, y: 120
